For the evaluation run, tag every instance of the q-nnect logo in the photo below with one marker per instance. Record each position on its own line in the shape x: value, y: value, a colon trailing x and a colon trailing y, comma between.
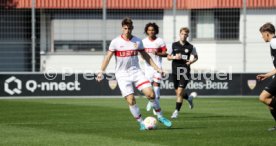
x: 16, y: 86
x: 32, y: 85
x: 15, y: 90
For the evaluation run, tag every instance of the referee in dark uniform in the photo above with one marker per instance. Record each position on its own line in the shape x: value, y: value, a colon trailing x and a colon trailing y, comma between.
x: 180, y: 56
x: 268, y: 94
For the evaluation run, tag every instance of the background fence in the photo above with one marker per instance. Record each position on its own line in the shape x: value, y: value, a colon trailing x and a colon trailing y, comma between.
x: 62, y: 35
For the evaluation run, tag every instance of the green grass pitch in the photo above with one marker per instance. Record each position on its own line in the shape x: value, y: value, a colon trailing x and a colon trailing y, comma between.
x: 78, y: 122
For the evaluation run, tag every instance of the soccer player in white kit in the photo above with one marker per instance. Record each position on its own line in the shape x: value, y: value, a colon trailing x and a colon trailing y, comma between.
x: 125, y: 48
x: 156, y: 48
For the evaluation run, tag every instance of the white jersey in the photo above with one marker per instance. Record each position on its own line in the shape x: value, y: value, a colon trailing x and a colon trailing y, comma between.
x: 152, y: 46
x: 126, y: 52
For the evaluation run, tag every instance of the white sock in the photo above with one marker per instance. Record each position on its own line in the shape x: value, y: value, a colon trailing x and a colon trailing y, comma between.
x: 134, y: 109
x: 157, y: 92
x: 155, y: 105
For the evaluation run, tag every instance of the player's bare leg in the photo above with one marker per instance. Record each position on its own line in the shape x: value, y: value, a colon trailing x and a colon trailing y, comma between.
x: 270, y: 101
x: 179, y: 101
x: 148, y: 92
x: 265, y: 97
x: 135, y: 111
x: 156, y: 88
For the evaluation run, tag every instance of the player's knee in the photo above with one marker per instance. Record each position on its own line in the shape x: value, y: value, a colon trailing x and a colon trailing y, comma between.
x: 148, y: 92
x: 131, y: 102
x: 178, y: 94
x: 156, y: 84
x: 262, y: 98
x: 150, y: 95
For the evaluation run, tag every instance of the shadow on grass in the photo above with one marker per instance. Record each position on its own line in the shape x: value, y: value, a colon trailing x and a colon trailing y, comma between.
x: 181, y: 128
x: 206, y: 116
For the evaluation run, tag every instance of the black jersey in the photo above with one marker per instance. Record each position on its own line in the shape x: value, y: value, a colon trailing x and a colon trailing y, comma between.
x: 273, y: 52
x: 271, y: 88
x: 185, y: 51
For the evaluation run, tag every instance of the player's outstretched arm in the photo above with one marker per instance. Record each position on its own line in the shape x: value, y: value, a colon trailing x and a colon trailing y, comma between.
x: 262, y: 77
x: 150, y: 61
x: 106, y: 61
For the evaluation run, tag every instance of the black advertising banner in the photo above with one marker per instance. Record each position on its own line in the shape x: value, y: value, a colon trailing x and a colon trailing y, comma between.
x: 207, y: 84
x: 250, y: 86
x: 56, y: 85
x: 85, y: 85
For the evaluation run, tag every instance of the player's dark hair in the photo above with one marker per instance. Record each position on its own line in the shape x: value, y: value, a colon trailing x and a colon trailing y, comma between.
x: 128, y: 22
x: 268, y: 27
x: 154, y: 25
x: 186, y: 29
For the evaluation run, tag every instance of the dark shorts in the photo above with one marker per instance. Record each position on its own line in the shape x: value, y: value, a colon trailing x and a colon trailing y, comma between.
x: 271, y: 88
x: 181, y: 82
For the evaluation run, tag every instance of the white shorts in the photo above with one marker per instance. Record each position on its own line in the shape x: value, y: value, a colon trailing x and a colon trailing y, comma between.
x: 126, y: 80
x: 152, y: 75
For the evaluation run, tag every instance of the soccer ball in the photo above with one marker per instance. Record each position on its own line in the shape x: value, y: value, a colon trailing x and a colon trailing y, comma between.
x: 150, y: 123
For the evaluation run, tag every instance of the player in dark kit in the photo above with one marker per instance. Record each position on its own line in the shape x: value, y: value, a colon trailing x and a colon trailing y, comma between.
x: 180, y: 56
x: 268, y: 94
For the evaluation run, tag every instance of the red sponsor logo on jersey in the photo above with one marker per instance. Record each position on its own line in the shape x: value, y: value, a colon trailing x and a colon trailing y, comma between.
x: 152, y: 50
x: 126, y: 53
